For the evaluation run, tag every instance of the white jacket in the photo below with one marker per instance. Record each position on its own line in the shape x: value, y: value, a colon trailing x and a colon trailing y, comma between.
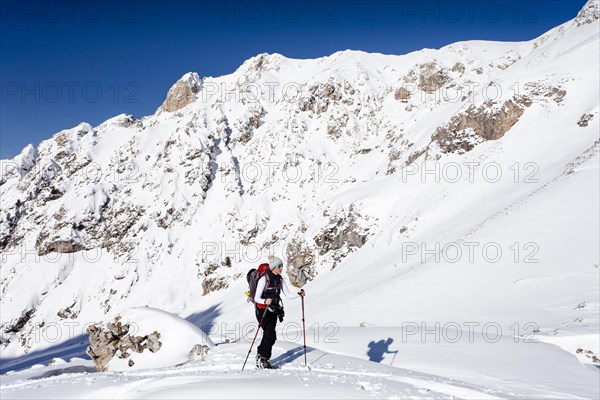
x: 285, y: 289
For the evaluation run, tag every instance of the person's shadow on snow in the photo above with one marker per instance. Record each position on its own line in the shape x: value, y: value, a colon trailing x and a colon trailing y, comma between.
x: 378, y: 349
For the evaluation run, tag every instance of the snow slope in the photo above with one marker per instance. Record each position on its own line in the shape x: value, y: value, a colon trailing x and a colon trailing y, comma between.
x: 451, y: 190
x: 465, y: 369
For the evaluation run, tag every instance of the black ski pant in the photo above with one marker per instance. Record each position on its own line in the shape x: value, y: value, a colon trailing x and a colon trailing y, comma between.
x: 269, y: 335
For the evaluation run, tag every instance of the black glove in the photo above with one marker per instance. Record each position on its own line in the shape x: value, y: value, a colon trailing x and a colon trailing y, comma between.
x: 274, y: 304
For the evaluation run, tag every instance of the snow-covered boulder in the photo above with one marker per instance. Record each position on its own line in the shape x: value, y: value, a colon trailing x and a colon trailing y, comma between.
x: 144, y: 337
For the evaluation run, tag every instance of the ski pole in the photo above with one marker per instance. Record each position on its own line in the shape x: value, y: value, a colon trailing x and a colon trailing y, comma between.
x: 304, y: 331
x: 257, y: 329
x: 395, y: 353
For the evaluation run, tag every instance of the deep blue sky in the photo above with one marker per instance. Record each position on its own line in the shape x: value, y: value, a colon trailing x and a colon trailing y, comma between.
x: 65, y: 62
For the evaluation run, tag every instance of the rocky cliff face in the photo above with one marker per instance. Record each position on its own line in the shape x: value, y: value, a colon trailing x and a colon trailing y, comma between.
x: 589, y: 14
x: 182, y: 93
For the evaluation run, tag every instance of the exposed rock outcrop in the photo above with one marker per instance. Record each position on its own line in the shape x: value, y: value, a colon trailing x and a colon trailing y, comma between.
x: 322, y: 96
x: 300, y: 262
x: 478, y: 124
x: 213, y: 284
x: 245, y: 128
x: 198, y: 353
x: 9, y: 219
x: 458, y: 67
x: 541, y: 91
x: 584, y: 120
x: 114, y: 339
x: 182, y: 93
x: 402, y: 95
x: 428, y: 76
x: 589, y: 13
x: 70, y: 312
x: 20, y: 323
x: 342, y: 235
x: 213, y: 275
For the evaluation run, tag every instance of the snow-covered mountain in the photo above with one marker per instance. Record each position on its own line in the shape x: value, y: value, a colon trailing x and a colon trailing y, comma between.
x: 448, y: 186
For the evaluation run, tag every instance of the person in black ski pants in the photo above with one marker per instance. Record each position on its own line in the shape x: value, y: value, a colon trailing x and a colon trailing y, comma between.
x: 268, y: 295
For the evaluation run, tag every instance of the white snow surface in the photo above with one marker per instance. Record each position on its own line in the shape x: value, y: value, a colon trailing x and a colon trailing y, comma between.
x: 465, y: 369
x: 477, y: 284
